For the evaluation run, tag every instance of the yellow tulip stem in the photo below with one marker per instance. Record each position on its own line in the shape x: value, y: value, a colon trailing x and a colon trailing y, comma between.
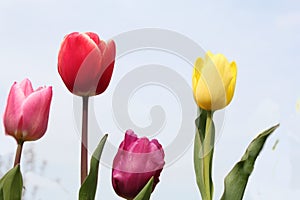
x: 208, y: 150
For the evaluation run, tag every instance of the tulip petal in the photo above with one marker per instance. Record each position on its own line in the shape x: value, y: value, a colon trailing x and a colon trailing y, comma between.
x: 213, y: 81
x: 79, y: 58
x: 65, y: 69
x: 130, y: 138
x: 107, y: 66
x: 13, y: 112
x: 35, y: 113
x: 94, y: 37
x: 26, y: 87
x: 137, y: 160
x: 156, y: 143
x: 231, y: 85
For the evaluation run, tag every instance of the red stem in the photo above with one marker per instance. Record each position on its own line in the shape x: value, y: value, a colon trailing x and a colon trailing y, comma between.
x: 84, y: 137
x: 18, y: 153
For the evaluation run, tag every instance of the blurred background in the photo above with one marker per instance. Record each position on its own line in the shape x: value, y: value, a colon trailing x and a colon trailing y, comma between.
x: 263, y: 37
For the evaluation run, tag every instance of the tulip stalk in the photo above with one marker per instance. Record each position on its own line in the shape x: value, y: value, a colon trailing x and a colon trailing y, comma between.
x: 208, y: 155
x: 85, y: 64
x: 26, y: 113
x: 84, y: 138
x: 213, y: 81
x: 18, y: 153
x: 203, y: 153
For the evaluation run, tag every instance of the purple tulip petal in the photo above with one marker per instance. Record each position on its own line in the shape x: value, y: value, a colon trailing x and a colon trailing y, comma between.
x: 137, y: 160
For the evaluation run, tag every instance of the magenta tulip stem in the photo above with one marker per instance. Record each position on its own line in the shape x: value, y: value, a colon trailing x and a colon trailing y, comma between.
x: 84, y: 138
x: 18, y: 153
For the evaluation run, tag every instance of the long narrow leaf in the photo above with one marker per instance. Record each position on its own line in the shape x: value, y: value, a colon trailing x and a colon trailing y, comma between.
x: 236, y: 181
x: 203, y: 153
x: 11, y: 184
x: 89, y: 186
x: 145, y: 193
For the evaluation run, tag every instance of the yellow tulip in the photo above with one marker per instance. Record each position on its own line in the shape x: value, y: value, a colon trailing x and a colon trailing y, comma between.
x: 214, y: 81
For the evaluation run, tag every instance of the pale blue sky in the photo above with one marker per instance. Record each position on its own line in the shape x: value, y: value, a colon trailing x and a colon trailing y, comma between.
x: 263, y: 37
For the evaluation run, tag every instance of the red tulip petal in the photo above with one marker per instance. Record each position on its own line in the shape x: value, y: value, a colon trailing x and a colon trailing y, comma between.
x: 94, y: 37
x: 79, y: 58
x: 107, y: 66
x: 64, y: 56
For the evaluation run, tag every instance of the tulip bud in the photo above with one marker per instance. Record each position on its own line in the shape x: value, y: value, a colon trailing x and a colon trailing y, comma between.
x: 214, y: 81
x: 137, y: 160
x: 27, y: 111
x: 85, y: 63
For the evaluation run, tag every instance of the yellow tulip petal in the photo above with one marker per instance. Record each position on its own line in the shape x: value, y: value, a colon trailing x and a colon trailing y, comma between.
x: 231, y: 87
x: 214, y: 81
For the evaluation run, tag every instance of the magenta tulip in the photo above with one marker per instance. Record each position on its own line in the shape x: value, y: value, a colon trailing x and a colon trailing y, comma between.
x: 137, y: 160
x: 27, y: 111
x: 85, y: 63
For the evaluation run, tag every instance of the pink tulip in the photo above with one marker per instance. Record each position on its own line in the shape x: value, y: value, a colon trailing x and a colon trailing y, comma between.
x: 27, y: 111
x: 137, y: 160
x: 86, y: 63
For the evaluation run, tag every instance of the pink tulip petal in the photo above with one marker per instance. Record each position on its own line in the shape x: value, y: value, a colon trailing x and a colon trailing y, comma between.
x: 35, y: 113
x: 137, y: 160
x: 128, y: 185
x: 156, y: 143
x: 102, y: 46
x: 130, y: 138
x: 13, y: 111
x: 26, y: 87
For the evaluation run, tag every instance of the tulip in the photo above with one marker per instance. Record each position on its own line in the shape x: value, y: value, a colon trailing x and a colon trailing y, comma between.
x: 85, y: 63
x: 137, y: 160
x: 27, y: 111
x: 213, y: 81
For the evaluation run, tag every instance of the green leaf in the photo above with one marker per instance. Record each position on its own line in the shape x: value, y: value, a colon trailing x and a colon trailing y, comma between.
x: 203, y: 153
x: 89, y: 186
x: 236, y: 181
x: 145, y: 193
x: 11, y: 184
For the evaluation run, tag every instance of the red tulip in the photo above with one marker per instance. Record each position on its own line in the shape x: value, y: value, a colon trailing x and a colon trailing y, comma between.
x: 27, y: 111
x: 85, y: 63
x: 137, y: 160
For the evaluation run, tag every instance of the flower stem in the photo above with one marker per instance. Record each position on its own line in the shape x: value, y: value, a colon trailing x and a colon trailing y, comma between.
x: 84, y: 138
x: 203, y: 153
x: 18, y: 153
x: 208, y: 152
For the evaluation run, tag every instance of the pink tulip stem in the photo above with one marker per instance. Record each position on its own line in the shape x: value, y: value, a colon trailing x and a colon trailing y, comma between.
x: 84, y: 138
x: 18, y: 153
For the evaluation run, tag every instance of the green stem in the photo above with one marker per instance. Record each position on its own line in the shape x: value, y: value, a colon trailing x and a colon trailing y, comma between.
x: 208, y: 150
x: 84, y: 137
x: 203, y: 153
x: 18, y: 153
